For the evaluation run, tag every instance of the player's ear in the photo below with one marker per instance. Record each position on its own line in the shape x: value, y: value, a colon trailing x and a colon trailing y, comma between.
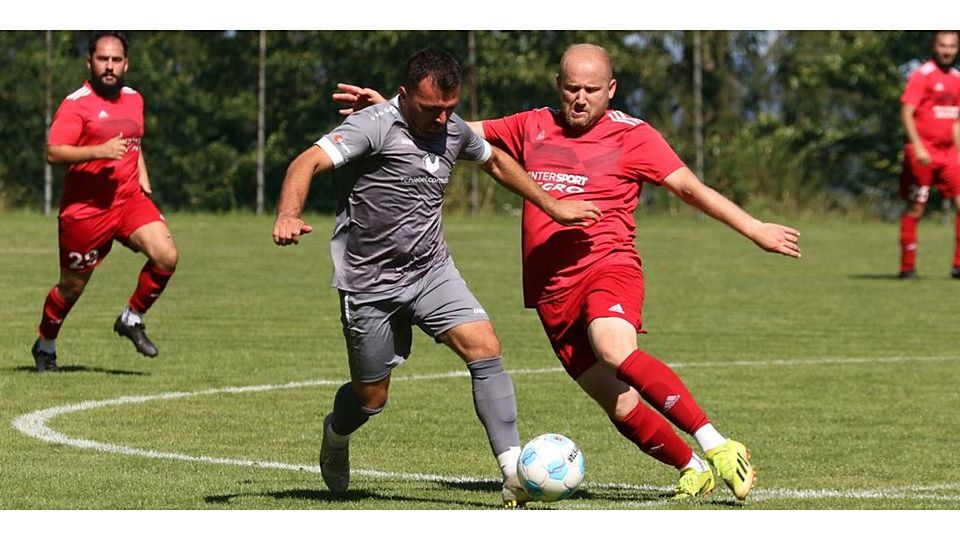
x: 612, y: 89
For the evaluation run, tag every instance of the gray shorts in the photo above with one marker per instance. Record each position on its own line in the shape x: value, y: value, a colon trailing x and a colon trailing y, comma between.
x: 378, y: 326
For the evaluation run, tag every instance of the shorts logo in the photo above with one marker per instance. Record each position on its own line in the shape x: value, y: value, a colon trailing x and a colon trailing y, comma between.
x: 431, y: 162
x: 479, y: 311
x: 616, y: 308
x: 670, y: 402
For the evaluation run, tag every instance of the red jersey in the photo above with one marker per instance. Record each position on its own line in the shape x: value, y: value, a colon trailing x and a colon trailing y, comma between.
x: 86, y: 119
x: 607, y: 165
x: 936, y: 96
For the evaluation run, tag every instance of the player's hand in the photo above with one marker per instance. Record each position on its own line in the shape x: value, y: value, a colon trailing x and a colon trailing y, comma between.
x: 923, y: 157
x: 288, y: 230
x: 355, y: 98
x: 145, y: 185
x: 777, y: 239
x: 115, y: 148
x: 575, y: 213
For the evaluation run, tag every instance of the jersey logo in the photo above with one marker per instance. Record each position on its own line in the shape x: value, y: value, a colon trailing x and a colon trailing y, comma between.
x: 103, y: 114
x: 407, y: 142
x: 618, y: 116
x: 431, y: 162
x: 542, y: 135
x: 616, y: 308
x: 938, y: 87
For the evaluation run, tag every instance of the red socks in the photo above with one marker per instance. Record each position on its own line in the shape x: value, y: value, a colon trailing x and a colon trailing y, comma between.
x: 956, y: 251
x: 55, y: 309
x: 908, y: 242
x: 649, y: 431
x: 662, y: 388
x: 152, y: 281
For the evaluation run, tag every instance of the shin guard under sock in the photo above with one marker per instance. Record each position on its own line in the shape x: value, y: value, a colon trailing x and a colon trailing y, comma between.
x: 652, y: 434
x: 55, y: 310
x: 662, y: 388
x: 150, y: 284
x: 495, y: 403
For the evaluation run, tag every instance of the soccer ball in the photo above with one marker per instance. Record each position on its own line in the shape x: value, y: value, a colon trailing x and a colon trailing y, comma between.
x: 550, y: 467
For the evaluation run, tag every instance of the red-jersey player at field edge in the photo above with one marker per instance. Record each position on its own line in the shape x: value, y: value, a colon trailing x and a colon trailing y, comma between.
x: 930, y: 108
x: 96, y: 132
x: 587, y: 285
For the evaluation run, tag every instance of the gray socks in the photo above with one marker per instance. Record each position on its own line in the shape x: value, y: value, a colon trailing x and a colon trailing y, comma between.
x: 495, y: 403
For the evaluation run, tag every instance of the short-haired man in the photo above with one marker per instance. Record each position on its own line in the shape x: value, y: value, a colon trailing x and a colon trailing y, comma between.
x: 391, y: 264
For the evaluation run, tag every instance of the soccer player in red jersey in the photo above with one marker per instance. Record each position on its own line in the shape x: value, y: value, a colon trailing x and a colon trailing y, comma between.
x: 96, y: 133
x: 930, y: 104
x: 587, y: 285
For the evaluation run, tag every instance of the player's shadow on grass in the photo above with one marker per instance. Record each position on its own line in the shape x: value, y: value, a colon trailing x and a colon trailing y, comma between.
x: 316, y: 495
x: 598, y: 494
x: 881, y: 277
x: 79, y: 369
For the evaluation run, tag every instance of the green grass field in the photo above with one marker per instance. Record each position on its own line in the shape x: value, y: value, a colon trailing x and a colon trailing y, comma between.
x: 841, y: 379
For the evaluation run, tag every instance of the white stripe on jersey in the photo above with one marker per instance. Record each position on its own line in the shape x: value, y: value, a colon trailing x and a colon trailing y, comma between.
x: 618, y: 116
x: 335, y: 156
x: 79, y: 93
x: 487, y: 152
x: 128, y: 90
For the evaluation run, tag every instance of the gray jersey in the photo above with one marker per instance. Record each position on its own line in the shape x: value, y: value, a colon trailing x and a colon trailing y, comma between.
x: 389, y: 191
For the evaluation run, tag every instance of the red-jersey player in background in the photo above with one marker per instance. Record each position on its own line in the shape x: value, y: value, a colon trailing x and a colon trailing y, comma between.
x: 586, y: 284
x: 929, y: 111
x: 96, y: 132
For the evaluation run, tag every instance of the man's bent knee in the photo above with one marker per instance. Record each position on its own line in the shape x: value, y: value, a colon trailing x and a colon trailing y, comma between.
x: 167, y: 259
x: 472, y: 341
x: 71, y: 286
x: 372, y: 396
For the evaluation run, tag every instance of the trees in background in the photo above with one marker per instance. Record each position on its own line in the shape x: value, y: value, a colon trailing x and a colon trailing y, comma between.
x: 792, y: 120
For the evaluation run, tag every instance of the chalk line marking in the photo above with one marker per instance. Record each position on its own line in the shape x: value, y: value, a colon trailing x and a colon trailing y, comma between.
x: 33, y: 424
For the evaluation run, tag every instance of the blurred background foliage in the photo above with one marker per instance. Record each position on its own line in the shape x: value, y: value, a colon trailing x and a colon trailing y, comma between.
x: 793, y: 121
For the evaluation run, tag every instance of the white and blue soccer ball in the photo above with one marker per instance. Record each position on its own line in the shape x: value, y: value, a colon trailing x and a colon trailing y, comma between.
x: 550, y: 467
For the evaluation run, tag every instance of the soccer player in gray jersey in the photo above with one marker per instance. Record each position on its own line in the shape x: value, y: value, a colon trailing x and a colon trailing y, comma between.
x: 391, y: 264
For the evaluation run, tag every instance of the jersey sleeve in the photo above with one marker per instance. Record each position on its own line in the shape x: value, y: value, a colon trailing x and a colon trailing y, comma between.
x: 647, y: 155
x: 361, y: 134
x: 913, y: 92
x: 475, y: 148
x: 67, y: 125
x: 507, y: 133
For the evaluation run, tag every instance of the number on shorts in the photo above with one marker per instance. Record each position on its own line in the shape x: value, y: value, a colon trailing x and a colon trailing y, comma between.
x: 79, y: 261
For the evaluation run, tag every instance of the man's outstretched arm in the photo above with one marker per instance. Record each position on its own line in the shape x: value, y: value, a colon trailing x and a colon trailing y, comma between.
x: 511, y: 175
x: 770, y: 237
x: 288, y: 227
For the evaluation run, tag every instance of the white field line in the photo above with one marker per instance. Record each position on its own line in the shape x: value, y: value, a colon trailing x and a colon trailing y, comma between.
x: 34, y: 425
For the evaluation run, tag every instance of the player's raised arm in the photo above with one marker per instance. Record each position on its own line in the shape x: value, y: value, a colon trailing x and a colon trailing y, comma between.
x: 511, y: 175
x: 288, y: 227
x: 770, y: 237
x: 353, y: 98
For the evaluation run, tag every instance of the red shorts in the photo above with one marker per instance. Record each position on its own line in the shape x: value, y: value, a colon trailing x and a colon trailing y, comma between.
x: 84, y: 242
x: 943, y: 174
x: 612, y: 291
